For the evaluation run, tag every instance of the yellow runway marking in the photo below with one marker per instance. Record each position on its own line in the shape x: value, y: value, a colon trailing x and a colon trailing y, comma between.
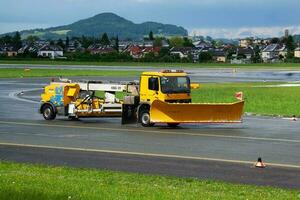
x: 153, y: 131
x: 147, y: 154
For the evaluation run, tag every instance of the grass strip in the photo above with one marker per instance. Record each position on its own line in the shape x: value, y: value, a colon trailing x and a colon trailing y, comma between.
x: 260, y: 99
x: 161, y: 65
x: 25, y: 181
x: 20, y: 73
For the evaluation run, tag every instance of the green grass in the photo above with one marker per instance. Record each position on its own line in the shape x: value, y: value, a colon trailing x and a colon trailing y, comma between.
x: 35, y: 182
x: 19, y: 73
x: 61, y: 32
x: 260, y: 100
x: 161, y: 65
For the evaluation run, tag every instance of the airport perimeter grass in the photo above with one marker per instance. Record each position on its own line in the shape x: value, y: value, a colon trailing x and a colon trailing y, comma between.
x: 36, y: 182
x: 20, y: 73
x: 259, y: 99
x: 154, y: 64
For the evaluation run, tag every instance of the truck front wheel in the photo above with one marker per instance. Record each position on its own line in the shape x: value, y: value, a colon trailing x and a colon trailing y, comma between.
x: 48, y: 112
x: 145, y: 119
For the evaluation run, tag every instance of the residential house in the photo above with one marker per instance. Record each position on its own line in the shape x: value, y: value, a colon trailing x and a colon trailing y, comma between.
x: 195, y: 52
x: 154, y: 50
x: 244, y: 43
x: 201, y: 44
x: 140, y: 51
x: 42, y: 43
x: 123, y: 45
x: 182, y: 52
x: 30, y: 48
x: 247, y: 52
x: 23, y: 49
x: 219, y: 55
x: 297, y: 52
x: 247, y: 42
x: 135, y: 51
x: 51, y: 51
x: 269, y: 52
x: 260, y: 42
x: 8, y: 51
x: 242, y: 55
x: 206, y: 49
x: 11, y: 52
x: 273, y: 52
x: 100, y: 49
x: 74, y: 45
x: 282, y: 52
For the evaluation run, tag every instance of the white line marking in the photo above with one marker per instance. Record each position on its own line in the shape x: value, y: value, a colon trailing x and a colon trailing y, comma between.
x: 14, y: 96
x: 147, y: 154
x: 43, y: 135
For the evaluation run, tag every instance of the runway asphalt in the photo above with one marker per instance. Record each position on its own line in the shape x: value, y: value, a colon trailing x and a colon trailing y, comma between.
x: 224, y: 152
x: 197, y: 74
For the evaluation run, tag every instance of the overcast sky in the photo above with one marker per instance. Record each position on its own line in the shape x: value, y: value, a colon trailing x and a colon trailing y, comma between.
x: 218, y: 18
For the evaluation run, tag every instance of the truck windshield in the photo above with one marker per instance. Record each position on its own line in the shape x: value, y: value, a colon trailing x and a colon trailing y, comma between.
x: 175, y: 84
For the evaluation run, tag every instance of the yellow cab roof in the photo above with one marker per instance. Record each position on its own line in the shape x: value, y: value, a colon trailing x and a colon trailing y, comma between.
x: 165, y: 73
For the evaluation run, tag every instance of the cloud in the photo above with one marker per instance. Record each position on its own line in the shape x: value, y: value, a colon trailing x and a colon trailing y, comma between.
x: 262, y: 32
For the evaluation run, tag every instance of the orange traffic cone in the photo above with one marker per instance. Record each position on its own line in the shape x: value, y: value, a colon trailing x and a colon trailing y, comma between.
x: 259, y: 163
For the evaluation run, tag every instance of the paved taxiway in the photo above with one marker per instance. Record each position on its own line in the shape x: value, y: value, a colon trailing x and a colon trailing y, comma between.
x: 224, y: 152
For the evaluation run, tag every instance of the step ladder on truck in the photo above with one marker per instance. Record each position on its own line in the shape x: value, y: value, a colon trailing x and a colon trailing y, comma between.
x: 159, y: 97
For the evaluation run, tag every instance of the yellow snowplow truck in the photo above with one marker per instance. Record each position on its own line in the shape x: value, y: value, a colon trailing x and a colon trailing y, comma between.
x: 160, y: 97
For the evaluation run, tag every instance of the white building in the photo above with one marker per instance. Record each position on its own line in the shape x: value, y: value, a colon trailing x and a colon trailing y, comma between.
x: 270, y: 53
x: 182, y: 52
x: 273, y: 53
x: 297, y: 52
x: 51, y: 51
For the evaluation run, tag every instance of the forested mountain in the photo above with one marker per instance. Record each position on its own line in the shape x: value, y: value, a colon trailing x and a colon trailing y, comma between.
x: 110, y: 23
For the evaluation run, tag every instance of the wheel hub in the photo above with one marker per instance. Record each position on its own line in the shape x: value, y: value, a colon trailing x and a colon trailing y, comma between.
x: 47, y: 112
x: 145, y: 118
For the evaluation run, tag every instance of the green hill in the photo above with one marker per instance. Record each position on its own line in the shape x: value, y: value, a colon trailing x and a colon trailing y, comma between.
x: 110, y: 23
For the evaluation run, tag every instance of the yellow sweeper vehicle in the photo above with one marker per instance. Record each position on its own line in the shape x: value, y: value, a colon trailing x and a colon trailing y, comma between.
x: 159, y: 97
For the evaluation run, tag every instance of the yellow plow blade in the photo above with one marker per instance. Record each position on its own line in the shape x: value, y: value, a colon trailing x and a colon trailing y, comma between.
x: 162, y: 112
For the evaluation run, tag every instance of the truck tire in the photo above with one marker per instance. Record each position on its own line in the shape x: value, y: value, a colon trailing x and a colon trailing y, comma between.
x: 145, y: 118
x: 48, y: 112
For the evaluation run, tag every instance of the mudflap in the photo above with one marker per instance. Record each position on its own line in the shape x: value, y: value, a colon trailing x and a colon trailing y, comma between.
x: 162, y: 112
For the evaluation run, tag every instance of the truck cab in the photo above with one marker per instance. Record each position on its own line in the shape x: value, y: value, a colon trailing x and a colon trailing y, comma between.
x: 172, y: 86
